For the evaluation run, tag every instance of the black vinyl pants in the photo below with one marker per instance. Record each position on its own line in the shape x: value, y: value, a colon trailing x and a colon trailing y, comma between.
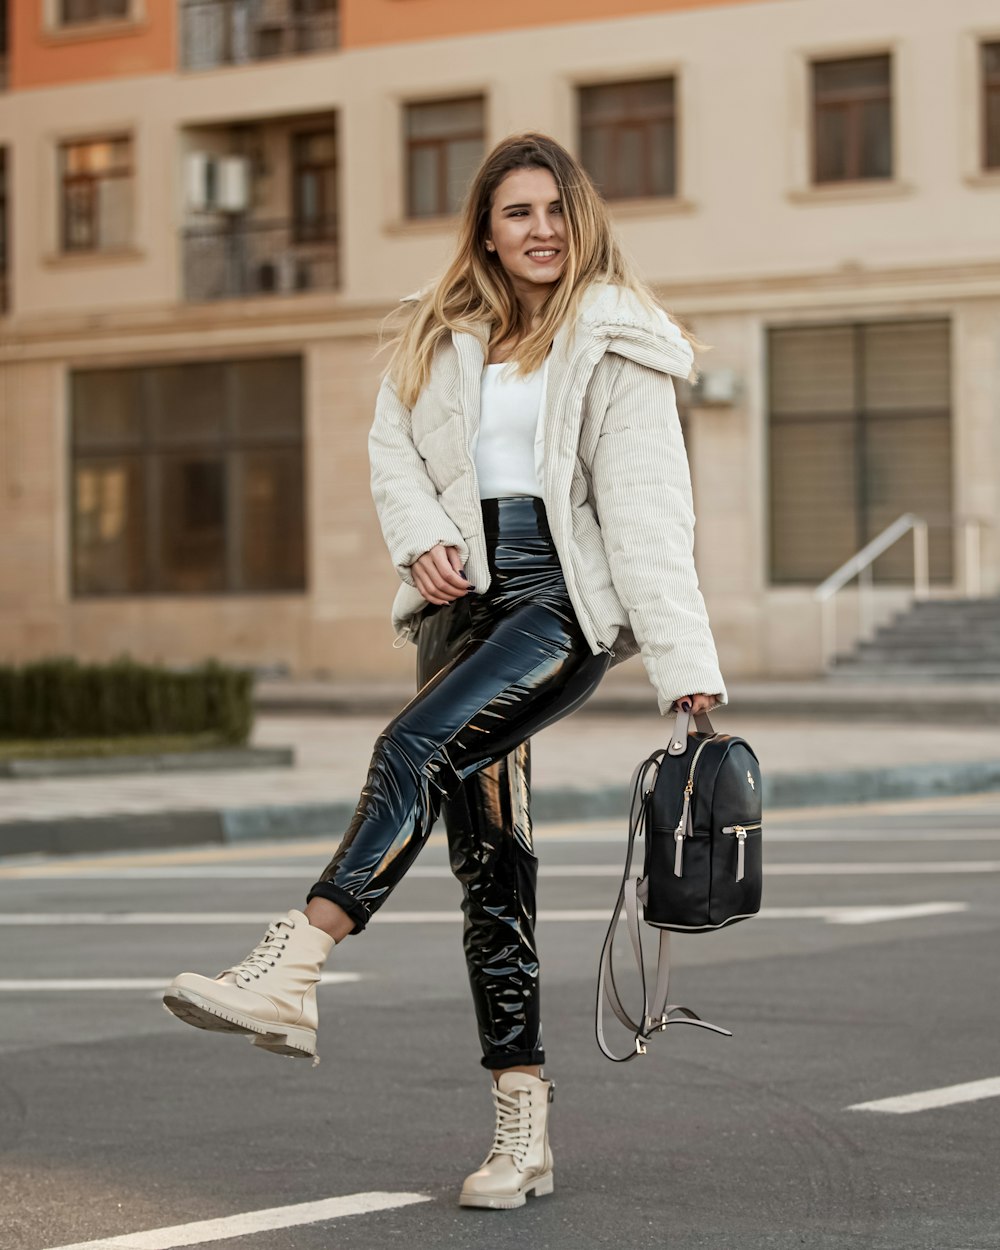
x: 492, y: 669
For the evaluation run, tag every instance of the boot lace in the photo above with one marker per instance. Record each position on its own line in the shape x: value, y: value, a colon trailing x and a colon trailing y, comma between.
x: 512, y: 1134
x: 264, y: 955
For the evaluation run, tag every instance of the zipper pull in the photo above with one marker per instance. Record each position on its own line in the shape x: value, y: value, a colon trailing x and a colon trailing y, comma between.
x: 681, y: 831
x: 741, y: 842
x: 678, y: 850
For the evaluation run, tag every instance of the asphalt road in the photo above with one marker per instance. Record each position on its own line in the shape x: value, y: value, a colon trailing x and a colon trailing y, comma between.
x: 855, y: 985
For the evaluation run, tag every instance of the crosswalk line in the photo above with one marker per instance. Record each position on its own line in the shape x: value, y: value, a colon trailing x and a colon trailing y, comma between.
x: 852, y: 914
x: 928, y: 1099
x: 435, y: 872
x: 60, y: 985
x: 250, y: 1222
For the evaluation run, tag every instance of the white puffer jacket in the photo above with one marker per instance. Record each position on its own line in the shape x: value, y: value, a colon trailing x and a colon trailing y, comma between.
x: 616, y: 486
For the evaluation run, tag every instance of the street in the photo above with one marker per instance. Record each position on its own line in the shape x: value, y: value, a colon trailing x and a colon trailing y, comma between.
x: 871, y: 974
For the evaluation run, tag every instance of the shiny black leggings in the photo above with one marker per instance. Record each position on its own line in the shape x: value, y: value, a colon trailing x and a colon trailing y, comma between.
x: 492, y: 669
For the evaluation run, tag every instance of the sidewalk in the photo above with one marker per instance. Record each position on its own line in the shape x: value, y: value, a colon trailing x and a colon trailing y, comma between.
x: 580, y: 769
x: 627, y: 691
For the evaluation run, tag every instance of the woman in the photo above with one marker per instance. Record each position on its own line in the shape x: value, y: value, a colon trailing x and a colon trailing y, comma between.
x: 531, y: 483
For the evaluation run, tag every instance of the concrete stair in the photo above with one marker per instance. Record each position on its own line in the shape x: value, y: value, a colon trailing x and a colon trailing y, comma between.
x: 934, y: 640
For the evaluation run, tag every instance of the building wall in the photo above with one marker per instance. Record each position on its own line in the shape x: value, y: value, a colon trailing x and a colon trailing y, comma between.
x: 370, y: 22
x: 43, y: 55
x: 748, y: 244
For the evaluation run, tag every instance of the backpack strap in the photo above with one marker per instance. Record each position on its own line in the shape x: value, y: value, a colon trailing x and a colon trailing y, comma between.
x: 606, y: 988
x: 655, y: 1017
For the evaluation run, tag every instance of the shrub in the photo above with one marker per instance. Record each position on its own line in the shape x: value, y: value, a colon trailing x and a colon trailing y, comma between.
x: 61, y: 698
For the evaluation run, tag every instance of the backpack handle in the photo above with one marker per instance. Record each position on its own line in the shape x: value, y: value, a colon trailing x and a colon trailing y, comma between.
x: 682, y: 727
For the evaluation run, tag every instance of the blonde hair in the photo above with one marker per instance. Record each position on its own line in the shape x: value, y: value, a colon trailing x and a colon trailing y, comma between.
x: 476, y: 289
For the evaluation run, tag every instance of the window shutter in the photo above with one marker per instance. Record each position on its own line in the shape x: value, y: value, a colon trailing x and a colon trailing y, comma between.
x: 860, y: 432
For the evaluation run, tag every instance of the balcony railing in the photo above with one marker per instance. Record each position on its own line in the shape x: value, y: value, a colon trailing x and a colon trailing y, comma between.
x: 235, y: 32
x: 249, y: 258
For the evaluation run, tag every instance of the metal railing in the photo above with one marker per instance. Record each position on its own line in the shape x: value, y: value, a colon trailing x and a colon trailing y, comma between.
x: 235, y: 32
x: 240, y: 259
x: 860, y: 566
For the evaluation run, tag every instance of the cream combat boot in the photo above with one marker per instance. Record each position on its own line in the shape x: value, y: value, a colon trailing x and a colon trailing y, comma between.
x: 520, y: 1161
x: 271, y: 995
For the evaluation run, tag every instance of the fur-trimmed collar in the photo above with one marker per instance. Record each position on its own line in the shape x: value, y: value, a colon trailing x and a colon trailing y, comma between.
x: 614, y: 313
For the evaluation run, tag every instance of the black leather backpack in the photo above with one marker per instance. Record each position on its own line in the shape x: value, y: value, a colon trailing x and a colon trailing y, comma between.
x: 697, y: 802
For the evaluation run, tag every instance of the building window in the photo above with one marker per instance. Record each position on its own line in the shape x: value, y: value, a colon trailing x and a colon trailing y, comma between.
x: 77, y: 12
x: 628, y: 138
x: 96, y: 194
x: 860, y: 432
x: 852, y: 119
x: 444, y: 145
x: 3, y: 45
x: 234, y: 32
x: 991, y: 105
x: 3, y: 231
x: 188, y: 479
x: 314, y: 185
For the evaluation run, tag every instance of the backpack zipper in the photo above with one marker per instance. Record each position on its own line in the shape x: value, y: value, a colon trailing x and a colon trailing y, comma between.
x: 684, y: 829
x: 741, y: 832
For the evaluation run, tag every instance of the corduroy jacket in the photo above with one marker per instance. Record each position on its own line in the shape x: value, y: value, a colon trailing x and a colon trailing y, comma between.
x: 616, y: 486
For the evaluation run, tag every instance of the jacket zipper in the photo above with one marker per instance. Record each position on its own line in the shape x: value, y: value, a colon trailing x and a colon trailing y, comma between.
x: 581, y: 608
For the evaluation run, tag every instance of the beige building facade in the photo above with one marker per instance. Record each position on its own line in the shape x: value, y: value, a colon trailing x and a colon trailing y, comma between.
x: 198, y: 260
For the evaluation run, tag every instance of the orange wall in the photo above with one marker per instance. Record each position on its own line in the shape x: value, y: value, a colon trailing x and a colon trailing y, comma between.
x: 395, y: 21
x: 41, y: 58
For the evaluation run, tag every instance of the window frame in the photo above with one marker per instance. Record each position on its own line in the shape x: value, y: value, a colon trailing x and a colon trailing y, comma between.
x: 986, y: 85
x: 151, y: 453
x: 5, y: 163
x: 672, y: 115
x: 851, y: 101
x: 409, y: 144
x: 300, y: 231
x: 54, y: 26
x: 62, y: 180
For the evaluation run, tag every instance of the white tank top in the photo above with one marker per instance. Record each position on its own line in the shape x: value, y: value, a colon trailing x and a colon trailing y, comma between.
x: 508, y: 451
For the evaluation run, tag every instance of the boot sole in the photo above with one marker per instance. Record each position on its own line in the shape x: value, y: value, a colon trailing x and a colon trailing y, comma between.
x: 540, y: 1186
x: 202, y: 1013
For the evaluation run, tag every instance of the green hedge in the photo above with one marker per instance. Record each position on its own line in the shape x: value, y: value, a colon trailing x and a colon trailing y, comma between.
x: 61, y: 698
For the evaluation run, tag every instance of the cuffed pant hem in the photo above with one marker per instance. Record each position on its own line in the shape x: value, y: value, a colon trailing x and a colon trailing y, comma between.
x: 513, y: 1059
x: 337, y: 894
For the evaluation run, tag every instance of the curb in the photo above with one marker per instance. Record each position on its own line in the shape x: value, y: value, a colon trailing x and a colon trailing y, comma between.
x: 941, y: 703
x: 164, y: 830
x: 227, y: 758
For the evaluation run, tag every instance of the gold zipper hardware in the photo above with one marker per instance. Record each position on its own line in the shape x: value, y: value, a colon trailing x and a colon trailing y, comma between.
x: 683, y: 829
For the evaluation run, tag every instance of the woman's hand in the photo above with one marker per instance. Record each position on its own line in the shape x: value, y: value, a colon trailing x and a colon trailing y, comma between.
x: 437, y: 575
x: 695, y: 703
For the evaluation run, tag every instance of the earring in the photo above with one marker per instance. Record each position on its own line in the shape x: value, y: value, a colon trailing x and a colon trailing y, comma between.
x: 490, y: 247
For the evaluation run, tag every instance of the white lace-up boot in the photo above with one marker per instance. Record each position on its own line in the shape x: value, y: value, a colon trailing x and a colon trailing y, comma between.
x: 271, y: 995
x: 520, y: 1161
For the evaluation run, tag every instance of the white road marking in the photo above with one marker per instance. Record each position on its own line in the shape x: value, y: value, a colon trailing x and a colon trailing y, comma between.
x: 566, y: 833
x: 832, y: 915
x: 927, y: 1099
x: 903, y: 868
x: 61, y: 985
x: 435, y: 873
x: 265, y: 1221
x: 863, y: 914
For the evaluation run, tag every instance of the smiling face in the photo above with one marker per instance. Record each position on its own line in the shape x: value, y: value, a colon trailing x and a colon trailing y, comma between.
x: 527, y: 233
